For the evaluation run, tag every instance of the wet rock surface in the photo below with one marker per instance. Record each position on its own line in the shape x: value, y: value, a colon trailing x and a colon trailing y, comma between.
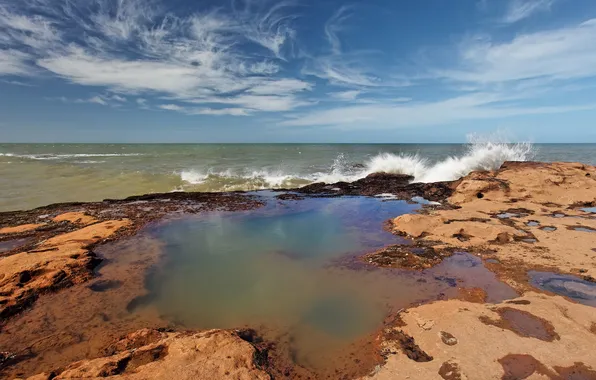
x: 382, y: 183
x: 407, y: 257
x: 522, y: 323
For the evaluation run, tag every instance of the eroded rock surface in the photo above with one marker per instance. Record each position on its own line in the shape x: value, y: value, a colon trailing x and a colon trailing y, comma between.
x: 57, y: 262
x: 151, y: 354
x: 522, y: 216
x: 556, y: 334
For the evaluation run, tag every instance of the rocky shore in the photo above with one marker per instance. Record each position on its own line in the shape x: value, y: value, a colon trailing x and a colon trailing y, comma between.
x: 525, y: 221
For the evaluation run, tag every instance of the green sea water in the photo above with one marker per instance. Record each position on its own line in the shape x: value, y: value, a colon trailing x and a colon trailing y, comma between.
x: 33, y: 175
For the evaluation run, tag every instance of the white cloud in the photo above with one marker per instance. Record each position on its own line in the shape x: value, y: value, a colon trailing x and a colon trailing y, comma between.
x: 271, y: 103
x: 171, y: 107
x: 522, y: 9
x: 205, y: 111
x: 345, y: 95
x: 104, y: 100
x: 265, y: 23
x: 565, y: 53
x: 280, y: 86
x: 97, y: 100
x: 118, y: 98
x: 333, y: 26
x: 35, y: 31
x: 13, y: 62
x: 411, y: 115
x: 341, y: 68
x: 223, y: 111
x: 134, y: 47
x: 17, y: 83
x: 235, y: 62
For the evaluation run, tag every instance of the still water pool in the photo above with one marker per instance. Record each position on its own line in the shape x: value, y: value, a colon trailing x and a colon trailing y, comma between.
x: 277, y: 269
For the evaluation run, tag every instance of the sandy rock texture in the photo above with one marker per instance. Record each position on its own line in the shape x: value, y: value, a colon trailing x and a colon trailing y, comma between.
x: 532, y: 337
x: 151, y: 354
x: 523, y: 215
x: 57, y: 262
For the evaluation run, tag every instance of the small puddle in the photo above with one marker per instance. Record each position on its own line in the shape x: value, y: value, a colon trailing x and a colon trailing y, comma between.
x: 591, y: 210
x: 548, y: 228
x: 507, y: 215
x: 581, y: 229
x: 526, y: 324
x: 523, y: 324
x: 9, y: 245
x: 566, y: 285
x: 533, y: 223
x: 467, y: 271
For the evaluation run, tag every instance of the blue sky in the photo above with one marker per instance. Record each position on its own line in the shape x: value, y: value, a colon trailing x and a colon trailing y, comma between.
x: 296, y: 71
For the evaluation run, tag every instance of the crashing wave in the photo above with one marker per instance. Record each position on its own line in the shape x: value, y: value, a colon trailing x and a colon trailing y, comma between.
x: 480, y: 155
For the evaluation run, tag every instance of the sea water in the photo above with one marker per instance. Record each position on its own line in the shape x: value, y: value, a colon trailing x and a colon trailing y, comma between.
x: 34, y: 175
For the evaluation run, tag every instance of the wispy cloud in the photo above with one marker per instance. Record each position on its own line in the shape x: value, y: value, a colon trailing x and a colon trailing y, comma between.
x: 564, y: 53
x: 13, y: 62
x: 339, y: 67
x: 205, y: 111
x: 96, y: 100
x: 522, y: 9
x: 171, y: 107
x: 17, y: 83
x: 136, y: 47
x: 265, y: 23
x: 104, y: 100
x: 345, y: 95
x: 240, y: 59
x: 492, y: 80
x: 412, y: 115
x: 271, y: 103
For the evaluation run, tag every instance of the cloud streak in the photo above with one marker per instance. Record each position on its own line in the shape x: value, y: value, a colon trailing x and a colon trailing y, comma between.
x: 522, y: 9
x: 136, y: 47
x: 558, y: 54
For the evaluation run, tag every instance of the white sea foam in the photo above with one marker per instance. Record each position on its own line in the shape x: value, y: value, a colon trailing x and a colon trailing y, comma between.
x: 50, y: 156
x: 228, y: 179
x: 480, y: 155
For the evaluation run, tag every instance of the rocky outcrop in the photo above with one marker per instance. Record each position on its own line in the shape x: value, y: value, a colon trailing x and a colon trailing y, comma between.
x: 397, y: 185
x: 152, y: 354
x: 525, y: 215
x: 60, y: 261
x: 535, y: 336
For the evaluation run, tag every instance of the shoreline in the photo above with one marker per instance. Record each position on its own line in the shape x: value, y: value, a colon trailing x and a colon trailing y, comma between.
x: 498, y: 216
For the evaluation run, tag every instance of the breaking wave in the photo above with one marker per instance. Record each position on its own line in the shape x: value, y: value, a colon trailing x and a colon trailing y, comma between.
x: 480, y: 155
x: 67, y: 156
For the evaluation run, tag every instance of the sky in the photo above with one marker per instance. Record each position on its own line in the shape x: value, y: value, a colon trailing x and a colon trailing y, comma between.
x: 389, y: 71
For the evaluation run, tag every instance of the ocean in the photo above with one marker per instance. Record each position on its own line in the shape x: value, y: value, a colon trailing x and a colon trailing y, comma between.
x: 33, y: 175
